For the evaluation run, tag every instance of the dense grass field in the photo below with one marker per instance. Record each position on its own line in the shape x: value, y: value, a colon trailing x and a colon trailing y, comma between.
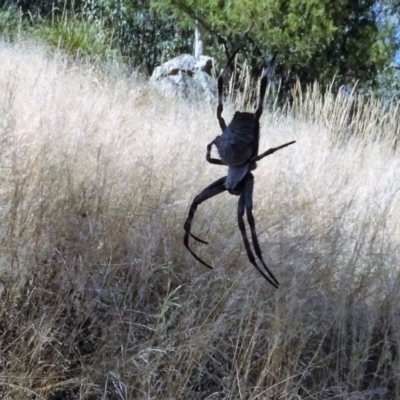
x: 99, y: 297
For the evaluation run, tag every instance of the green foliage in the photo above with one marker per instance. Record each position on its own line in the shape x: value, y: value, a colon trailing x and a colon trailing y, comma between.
x: 77, y: 36
x: 141, y: 34
x: 43, y: 8
x: 11, y: 23
x: 316, y: 39
x: 389, y: 84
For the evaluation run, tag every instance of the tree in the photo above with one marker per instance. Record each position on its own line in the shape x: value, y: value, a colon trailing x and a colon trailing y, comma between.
x: 142, y: 36
x: 315, y: 39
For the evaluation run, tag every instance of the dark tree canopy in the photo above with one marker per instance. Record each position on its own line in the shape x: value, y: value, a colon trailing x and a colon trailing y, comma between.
x: 316, y: 39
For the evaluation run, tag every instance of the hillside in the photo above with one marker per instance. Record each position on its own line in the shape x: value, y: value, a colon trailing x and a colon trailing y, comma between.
x: 99, y: 297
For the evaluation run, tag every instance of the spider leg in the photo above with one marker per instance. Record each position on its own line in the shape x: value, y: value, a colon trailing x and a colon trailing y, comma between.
x: 221, y: 77
x: 263, y: 85
x: 209, y: 158
x: 220, y: 107
x: 210, y: 191
x: 197, y: 238
x: 248, y: 195
x: 270, y: 151
x: 197, y: 202
x: 241, y: 207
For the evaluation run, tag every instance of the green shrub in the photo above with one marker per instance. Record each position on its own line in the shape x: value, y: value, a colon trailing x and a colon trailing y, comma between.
x: 78, y: 36
x: 143, y: 36
x: 11, y: 23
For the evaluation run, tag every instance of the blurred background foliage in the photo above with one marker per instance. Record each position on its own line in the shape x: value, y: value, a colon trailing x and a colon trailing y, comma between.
x: 346, y: 42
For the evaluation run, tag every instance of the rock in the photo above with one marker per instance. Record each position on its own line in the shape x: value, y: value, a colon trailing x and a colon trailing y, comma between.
x: 187, y: 76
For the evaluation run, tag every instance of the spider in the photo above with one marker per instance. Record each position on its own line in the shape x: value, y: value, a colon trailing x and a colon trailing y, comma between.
x: 238, y: 149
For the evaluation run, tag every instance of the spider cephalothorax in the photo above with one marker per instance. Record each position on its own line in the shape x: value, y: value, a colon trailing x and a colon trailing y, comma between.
x: 238, y: 149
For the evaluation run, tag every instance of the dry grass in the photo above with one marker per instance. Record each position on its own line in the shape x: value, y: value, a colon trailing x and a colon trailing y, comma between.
x: 100, y: 300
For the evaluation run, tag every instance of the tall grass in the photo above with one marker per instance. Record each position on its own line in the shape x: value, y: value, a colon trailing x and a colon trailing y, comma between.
x: 100, y: 300
x: 11, y: 24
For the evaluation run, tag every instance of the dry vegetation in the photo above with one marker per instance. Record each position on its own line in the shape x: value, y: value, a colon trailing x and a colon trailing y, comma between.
x: 99, y: 298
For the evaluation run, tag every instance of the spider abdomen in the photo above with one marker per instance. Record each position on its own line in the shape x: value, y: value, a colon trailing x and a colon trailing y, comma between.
x: 236, y: 174
x: 238, y: 142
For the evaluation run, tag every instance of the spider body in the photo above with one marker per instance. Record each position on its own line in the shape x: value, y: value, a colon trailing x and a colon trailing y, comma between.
x: 239, y: 140
x: 237, y: 144
x: 238, y: 149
